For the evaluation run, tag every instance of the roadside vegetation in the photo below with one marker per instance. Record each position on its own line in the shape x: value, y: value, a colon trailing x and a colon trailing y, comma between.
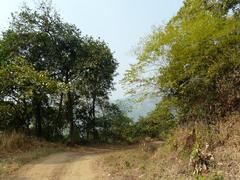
x: 192, y: 63
x: 55, y: 85
x: 170, y: 160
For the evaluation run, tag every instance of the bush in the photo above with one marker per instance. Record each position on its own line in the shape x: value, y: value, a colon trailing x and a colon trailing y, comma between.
x: 201, y: 160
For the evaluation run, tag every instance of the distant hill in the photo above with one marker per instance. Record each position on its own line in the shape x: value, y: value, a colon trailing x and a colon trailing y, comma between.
x: 136, y: 110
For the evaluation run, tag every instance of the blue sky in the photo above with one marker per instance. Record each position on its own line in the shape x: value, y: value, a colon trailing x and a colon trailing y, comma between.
x: 121, y: 23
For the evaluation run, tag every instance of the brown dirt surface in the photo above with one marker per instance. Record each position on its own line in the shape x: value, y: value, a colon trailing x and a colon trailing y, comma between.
x: 78, y: 164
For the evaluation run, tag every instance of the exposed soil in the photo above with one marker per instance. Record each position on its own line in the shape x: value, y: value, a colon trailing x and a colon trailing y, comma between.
x: 79, y: 165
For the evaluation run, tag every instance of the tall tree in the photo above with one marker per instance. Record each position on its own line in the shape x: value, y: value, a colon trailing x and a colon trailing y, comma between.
x: 99, y: 71
x: 86, y: 66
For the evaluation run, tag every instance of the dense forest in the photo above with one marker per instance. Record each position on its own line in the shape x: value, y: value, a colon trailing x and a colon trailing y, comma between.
x: 55, y: 82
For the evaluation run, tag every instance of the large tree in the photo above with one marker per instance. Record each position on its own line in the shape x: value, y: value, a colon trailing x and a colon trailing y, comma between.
x: 99, y: 71
x: 84, y: 65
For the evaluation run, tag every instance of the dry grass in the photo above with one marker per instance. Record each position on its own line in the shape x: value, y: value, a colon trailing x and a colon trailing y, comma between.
x: 170, y: 161
x: 16, y: 142
x: 228, y: 153
x: 138, y: 164
x: 17, y: 149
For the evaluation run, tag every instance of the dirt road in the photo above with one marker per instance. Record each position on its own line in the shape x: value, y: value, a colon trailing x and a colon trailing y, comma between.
x: 63, y: 166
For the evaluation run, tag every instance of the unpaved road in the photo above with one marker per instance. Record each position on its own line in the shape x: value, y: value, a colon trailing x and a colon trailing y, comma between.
x: 63, y: 166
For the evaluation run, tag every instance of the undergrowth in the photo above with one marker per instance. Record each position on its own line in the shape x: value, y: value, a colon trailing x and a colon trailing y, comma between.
x: 171, y: 160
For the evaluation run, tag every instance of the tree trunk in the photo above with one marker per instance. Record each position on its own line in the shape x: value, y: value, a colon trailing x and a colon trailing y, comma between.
x: 95, y: 133
x: 37, y: 105
x: 38, y: 118
x: 59, y: 115
x: 26, y: 117
x: 60, y: 108
x: 69, y: 115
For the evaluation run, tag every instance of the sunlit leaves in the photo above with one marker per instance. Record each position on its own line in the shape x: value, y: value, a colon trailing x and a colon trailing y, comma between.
x: 195, y: 50
x: 21, y: 78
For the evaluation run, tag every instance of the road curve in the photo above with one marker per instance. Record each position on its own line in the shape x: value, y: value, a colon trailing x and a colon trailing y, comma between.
x: 61, y: 166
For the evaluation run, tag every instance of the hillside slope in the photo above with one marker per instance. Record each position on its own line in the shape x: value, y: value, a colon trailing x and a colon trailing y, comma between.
x: 172, y: 161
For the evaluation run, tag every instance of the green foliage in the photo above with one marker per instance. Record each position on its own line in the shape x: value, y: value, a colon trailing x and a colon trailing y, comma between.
x: 114, y: 125
x: 159, y: 122
x: 26, y: 79
x: 18, y: 84
x: 53, y: 79
x: 193, y: 60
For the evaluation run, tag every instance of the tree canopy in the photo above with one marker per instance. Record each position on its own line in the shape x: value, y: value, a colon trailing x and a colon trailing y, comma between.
x: 192, y: 62
x: 53, y: 76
